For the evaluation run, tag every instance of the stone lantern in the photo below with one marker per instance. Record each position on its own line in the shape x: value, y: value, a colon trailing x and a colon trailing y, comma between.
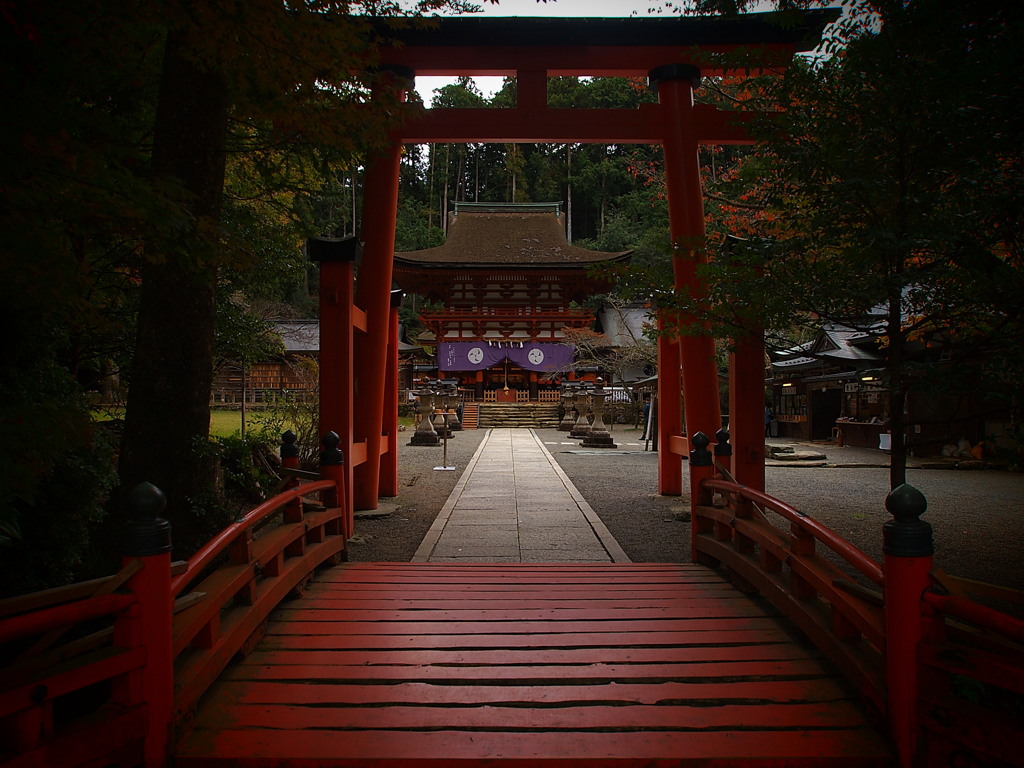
x: 582, y: 426
x: 568, y: 397
x: 598, y: 437
x: 425, y: 433
x: 451, y: 408
x: 441, y: 395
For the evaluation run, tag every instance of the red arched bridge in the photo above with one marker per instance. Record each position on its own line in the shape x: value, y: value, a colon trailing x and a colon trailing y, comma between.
x: 217, y: 662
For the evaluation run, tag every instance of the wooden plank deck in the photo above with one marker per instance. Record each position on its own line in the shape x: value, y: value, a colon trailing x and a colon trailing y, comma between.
x: 444, y: 664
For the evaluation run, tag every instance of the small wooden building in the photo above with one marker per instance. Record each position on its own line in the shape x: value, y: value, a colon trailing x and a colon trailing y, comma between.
x: 832, y: 388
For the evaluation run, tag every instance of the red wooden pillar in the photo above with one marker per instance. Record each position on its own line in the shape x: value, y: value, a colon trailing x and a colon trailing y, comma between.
x: 746, y: 409
x: 670, y: 412
x: 373, y: 294
x: 147, y: 624
x: 907, y: 544
x: 389, y: 460
x: 702, y: 467
x: 336, y: 258
x: 675, y: 84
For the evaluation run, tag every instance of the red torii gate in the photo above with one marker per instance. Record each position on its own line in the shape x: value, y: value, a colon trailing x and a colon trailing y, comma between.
x: 673, y: 53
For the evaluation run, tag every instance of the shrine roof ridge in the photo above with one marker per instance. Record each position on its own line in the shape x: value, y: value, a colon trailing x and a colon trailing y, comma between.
x: 509, y: 236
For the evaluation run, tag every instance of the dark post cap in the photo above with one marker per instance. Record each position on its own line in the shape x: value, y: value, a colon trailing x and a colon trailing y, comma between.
x: 405, y: 76
x: 331, y: 455
x: 289, y: 450
x: 332, y: 249
x: 678, y: 71
x: 722, y: 447
x: 700, y: 456
x: 907, y: 535
x: 147, y: 533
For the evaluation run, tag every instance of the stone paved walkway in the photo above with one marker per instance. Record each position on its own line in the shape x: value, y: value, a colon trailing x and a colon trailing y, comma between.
x: 514, y: 504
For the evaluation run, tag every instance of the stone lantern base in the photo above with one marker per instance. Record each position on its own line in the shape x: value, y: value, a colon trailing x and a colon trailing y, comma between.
x: 424, y: 438
x: 598, y: 438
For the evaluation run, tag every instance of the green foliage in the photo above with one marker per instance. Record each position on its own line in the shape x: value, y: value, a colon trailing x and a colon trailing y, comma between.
x: 242, y: 335
x: 883, y: 197
x: 299, y: 414
x: 49, y: 529
x: 248, y: 476
x: 611, y: 205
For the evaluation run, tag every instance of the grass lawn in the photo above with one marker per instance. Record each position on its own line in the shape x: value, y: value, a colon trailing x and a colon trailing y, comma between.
x: 222, y: 423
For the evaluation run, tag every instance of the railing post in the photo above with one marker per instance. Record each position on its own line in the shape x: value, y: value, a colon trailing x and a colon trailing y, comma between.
x: 701, y: 468
x: 908, y: 548
x: 332, y: 467
x: 290, y: 460
x: 148, y: 622
x: 723, y: 449
x: 723, y: 530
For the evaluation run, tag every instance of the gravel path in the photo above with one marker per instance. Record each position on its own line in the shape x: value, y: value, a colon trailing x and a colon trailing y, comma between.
x: 977, y: 516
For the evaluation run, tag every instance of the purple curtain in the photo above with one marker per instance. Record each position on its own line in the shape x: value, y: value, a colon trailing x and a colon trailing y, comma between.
x: 474, y: 355
x: 541, y: 357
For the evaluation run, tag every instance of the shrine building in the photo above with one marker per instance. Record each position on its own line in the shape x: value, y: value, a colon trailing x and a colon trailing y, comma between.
x: 509, y: 283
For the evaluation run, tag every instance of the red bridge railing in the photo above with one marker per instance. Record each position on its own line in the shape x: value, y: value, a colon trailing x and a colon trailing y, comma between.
x: 101, y: 673
x: 939, y: 668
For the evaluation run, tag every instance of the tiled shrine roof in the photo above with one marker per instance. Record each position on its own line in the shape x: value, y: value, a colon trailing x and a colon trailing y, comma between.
x: 507, y: 235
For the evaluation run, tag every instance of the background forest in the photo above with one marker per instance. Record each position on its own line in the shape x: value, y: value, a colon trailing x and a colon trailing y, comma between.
x: 162, y: 163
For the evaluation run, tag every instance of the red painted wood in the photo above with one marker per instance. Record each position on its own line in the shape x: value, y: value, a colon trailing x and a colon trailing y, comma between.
x: 523, y: 602
x: 670, y: 717
x: 38, y: 622
x: 693, y: 608
x: 388, y: 481
x: 601, y: 126
x: 109, y: 737
x: 248, y: 748
x: 373, y: 294
x: 477, y: 656
x: 906, y: 580
x: 670, y: 410
x: 523, y: 674
x: 545, y: 683
x: 512, y: 628
x: 358, y: 693
x: 79, y: 673
x: 581, y: 60
x: 701, y: 403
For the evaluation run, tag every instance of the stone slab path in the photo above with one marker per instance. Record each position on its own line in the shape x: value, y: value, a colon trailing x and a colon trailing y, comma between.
x: 513, y: 504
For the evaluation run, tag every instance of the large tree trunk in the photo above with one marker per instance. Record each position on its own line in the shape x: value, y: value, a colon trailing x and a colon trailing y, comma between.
x: 168, y: 414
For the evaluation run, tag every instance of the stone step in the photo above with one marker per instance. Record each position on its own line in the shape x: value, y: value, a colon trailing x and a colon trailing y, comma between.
x: 519, y: 415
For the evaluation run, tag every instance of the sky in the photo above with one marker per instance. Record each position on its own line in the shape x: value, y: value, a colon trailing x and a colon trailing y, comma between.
x: 593, y: 8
